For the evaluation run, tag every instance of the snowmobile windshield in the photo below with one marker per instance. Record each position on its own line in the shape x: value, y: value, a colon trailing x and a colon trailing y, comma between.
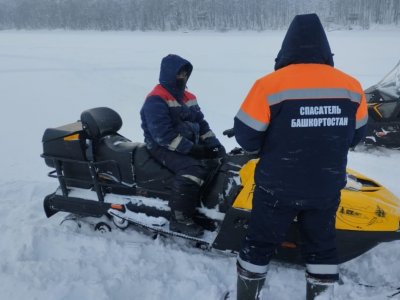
x: 171, y: 66
x: 305, y: 42
x: 388, y: 88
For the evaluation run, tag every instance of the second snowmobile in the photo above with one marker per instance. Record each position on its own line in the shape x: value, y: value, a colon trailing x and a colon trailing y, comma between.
x: 106, y: 177
x: 383, y: 100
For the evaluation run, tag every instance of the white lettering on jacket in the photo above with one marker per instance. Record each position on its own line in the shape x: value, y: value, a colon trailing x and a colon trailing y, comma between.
x: 320, y: 110
x: 320, y: 122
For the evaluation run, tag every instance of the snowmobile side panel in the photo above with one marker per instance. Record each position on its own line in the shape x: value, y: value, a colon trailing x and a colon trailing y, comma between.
x: 54, y: 203
x: 350, y: 243
x: 245, y: 199
x: 153, y: 179
x: 233, y: 231
x: 120, y: 150
x: 224, y: 182
x: 372, y: 208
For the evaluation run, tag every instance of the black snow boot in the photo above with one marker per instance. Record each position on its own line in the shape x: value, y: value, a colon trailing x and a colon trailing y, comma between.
x: 317, y: 287
x: 249, y: 285
x: 181, y: 223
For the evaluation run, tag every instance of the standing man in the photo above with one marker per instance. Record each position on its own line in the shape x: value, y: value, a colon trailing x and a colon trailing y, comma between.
x: 302, y: 118
x: 177, y: 135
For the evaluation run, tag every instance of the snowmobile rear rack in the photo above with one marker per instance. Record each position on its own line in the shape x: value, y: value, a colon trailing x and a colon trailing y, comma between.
x: 93, y: 180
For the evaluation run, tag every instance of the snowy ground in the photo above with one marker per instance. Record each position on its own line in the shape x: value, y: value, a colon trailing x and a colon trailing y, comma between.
x: 48, y: 77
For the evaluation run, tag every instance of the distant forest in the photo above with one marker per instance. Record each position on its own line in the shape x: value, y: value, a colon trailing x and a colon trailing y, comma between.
x: 221, y: 15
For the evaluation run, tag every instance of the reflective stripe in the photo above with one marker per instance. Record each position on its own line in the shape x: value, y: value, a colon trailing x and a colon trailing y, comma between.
x: 362, y: 122
x: 297, y: 94
x: 198, y: 180
x: 207, y: 135
x: 251, y: 267
x: 172, y: 103
x: 191, y: 102
x: 322, y: 269
x: 249, y: 121
x: 175, y: 143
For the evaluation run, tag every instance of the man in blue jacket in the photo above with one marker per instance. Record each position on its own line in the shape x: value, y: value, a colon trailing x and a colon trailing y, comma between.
x: 177, y: 135
x: 301, y: 119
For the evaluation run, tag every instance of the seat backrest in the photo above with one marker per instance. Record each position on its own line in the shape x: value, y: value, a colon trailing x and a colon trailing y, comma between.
x: 100, y: 121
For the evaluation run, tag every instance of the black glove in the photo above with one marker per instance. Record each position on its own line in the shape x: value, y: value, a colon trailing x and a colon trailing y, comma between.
x: 229, y: 132
x: 203, y: 152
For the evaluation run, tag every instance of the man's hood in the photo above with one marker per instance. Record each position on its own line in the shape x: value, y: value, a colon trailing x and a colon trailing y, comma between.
x: 305, y: 42
x: 170, y: 67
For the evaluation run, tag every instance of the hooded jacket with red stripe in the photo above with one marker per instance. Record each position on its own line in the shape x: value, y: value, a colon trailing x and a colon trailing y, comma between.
x: 302, y: 119
x: 171, y: 117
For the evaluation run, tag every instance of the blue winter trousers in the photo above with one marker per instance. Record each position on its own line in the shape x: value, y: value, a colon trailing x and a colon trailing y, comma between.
x: 269, y: 223
x: 190, y: 175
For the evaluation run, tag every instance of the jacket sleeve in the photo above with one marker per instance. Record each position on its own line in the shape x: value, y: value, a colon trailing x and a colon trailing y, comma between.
x: 207, y: 136
x: 361, y: 121
x: 160, y: 126
x: 252, y: 120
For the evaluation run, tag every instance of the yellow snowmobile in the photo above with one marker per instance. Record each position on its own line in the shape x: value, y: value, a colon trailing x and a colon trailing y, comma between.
x: 115, y: 183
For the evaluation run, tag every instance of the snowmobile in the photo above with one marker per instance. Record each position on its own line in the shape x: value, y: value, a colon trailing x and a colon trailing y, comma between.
x: 383, y: 99
x: 108, y: 178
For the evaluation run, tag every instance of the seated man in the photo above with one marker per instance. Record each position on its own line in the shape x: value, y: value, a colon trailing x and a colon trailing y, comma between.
x: 177, y: 135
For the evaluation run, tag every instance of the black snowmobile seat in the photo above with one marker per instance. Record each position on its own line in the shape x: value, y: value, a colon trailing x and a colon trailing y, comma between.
x: 113, y: 151
x: 100, y: 121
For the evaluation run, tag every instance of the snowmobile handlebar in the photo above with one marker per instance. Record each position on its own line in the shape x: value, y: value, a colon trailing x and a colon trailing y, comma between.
x: 229, y: 133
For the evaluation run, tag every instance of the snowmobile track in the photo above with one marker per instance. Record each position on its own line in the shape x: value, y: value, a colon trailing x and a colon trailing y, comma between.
x: 203, y: 244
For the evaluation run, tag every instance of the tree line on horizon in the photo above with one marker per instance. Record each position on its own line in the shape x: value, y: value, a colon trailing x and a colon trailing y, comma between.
x: 221, y: 15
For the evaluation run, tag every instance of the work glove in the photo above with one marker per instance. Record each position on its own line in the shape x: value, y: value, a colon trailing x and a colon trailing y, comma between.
x: 229, y: 132
x: 203, y: 152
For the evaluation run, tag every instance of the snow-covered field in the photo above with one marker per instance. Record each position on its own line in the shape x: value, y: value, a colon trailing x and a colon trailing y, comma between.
x: 48, y: 77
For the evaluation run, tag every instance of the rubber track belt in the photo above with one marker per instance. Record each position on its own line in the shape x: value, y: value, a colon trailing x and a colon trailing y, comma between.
x: 159, y: 230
